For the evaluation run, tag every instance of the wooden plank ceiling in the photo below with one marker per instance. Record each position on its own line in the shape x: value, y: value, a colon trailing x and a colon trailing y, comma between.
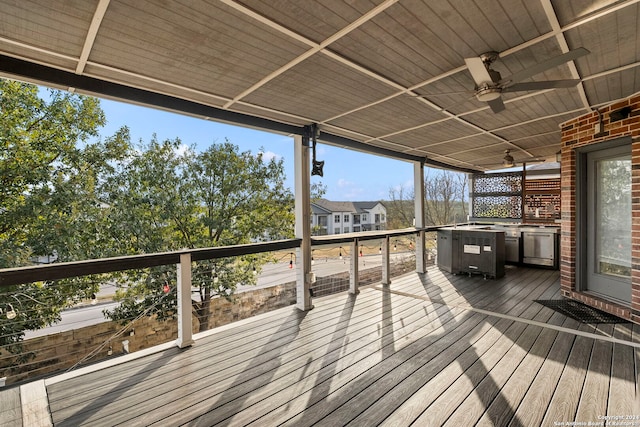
x: 388, y: 74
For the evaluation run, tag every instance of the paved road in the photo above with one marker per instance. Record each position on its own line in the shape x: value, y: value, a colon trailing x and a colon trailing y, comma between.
x: 271, y: 275
x: 73, y: 319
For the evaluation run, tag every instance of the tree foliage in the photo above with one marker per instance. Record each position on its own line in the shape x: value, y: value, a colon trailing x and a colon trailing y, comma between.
x: 445, y: 200
x: 445, y: 194
x: 68, y: 194
x: 49, y: 198
x: 169, y: 199
x: 400, y: 207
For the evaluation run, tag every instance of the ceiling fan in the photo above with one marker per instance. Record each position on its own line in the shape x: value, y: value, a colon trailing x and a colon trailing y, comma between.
x: 508, y: 161
x: 490, y: 85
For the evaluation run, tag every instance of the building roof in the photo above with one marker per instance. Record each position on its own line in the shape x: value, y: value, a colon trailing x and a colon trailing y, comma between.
x: 352, y: 207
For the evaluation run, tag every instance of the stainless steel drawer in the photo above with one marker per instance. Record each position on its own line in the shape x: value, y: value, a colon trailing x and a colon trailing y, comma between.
x: 539, y: 248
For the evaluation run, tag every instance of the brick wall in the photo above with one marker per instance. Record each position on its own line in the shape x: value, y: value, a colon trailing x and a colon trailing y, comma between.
x: 581, y: 132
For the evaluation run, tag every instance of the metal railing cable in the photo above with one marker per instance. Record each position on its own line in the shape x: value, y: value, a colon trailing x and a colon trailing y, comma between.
x: 120, y: 331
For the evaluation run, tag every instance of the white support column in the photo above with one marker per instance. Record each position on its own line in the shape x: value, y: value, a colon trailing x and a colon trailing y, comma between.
x: 418, y: 185
x: 386, y: 264
x: 185, y: 333
x: 302, y: 172
x: 354, y: 276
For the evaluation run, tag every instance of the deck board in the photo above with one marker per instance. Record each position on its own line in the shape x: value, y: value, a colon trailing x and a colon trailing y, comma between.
x: 501, y: 412
x: 489, y: 389
x: 566, y: 397
x: 318, y: 364
x: 595, y: 391
x: 428, y: 349
x: 622, y: 367
x: 262, y: 356
x: 10, y: 411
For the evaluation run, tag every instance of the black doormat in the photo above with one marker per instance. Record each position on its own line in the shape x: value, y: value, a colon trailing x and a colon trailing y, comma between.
x: 580, y: 312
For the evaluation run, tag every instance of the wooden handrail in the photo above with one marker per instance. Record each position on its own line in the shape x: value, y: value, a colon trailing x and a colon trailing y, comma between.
x: 63, y: 270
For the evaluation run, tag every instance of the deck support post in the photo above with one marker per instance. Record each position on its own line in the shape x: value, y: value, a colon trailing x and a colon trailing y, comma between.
x: 185, y: 332
x: 386, y: 264
x: 302, y: 175
x: 418, y: 179
x: 354, y: 276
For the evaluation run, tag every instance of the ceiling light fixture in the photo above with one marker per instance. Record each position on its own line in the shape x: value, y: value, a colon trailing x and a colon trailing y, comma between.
x: 486, y: 93
x: 507, y: 161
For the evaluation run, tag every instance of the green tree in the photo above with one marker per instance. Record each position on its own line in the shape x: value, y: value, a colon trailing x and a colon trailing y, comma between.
x: 400, y: 207
x: 445, y: 200
x: 445, y: 194
x: 50, y: 172
x: 172, y: 199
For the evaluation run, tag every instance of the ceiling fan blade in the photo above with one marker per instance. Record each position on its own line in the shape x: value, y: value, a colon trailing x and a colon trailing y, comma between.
x: 496, y: 105
x: 478, y: 71
x: 458, y: 92
x: 549, y: 84
x: 545, y: 65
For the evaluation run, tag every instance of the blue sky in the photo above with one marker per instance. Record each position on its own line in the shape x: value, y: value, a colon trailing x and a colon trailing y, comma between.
x: 348, y: 175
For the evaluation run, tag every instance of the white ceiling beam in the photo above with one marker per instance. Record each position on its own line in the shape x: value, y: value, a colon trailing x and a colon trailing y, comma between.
x: 322, y: 47
x: 552, y: 17
x: 611, y: 71
x: 599, y: 14
x: 315, y: 47
x: 101, y: 9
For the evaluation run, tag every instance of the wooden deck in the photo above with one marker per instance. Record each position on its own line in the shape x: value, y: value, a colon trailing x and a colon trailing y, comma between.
x: 428, y: 350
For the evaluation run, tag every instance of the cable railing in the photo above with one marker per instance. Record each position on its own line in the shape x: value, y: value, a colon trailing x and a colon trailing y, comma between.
x: 175, y: 285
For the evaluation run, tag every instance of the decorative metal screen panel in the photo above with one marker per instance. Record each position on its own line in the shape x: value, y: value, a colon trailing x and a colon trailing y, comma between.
x: 497, y: 195
x: 509, y: 207
x: 508, y: 182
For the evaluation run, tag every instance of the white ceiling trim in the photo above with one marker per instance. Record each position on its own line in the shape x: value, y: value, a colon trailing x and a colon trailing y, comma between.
x: 604, y: 12
x: 101, y: 9
x: 35, y: 49
x: 557, y: 31
x: 555, y: 24
x: 577, y: 111
x: 611, y: 71
x: 322, y: 48
x: 269, y: 23
x: 606, y: 103
x: 150, y: 80
x: 315, y: 46
x: 550, y: 116
x: 408, y: 91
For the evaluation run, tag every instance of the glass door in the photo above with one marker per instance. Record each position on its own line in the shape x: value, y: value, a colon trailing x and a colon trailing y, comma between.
x: 608, y: 223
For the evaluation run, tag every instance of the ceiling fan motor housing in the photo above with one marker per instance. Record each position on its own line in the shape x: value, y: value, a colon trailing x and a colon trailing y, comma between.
x: 487, y: 92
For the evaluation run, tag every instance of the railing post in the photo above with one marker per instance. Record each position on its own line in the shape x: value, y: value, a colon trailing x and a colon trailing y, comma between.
x: 185, y: 333
x: 353, y: 271
x: 418, y: 177
x: 386, y: 264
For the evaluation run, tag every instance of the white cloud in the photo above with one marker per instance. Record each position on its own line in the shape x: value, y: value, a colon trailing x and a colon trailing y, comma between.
x: 268, y: 155
x: 349, y: 190
x: 353, y: 194
x: 407, y: 186
x: 182, y: 149
x: 342, y: 183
